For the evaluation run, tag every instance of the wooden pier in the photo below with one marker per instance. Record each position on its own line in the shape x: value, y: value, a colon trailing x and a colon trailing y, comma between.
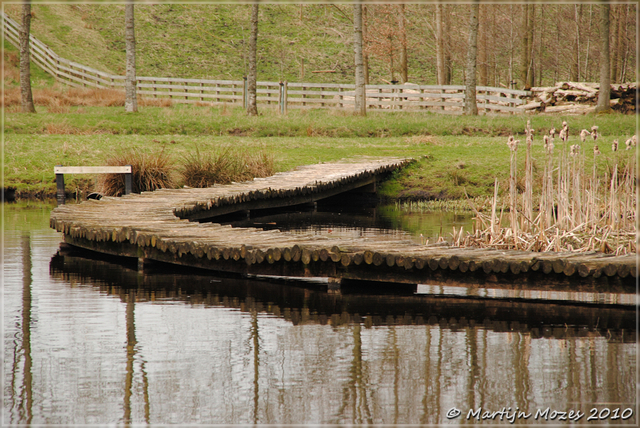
x: 163, y: 226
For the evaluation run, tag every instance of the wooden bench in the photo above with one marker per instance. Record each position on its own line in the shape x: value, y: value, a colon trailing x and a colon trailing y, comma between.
x: 60, y: 171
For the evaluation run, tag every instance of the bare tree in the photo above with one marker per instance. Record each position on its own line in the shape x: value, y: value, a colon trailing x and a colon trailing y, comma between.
x: 130, y: 102
x: 605, y: 77
x: 470, y: 107
x: 365, y: 54
x: 360, y: 95
x: 440, y: 65
x: 25, y: 61
x: 526, y: 65
x: 252, y: 78
x: 482, y: 49
x: 443, y: 56
x: 404, y: 66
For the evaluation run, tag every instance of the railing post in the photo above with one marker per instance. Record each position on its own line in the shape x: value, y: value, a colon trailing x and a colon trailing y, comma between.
x: 60, y: 197
x: 127, y: 181
x: 281, y: 97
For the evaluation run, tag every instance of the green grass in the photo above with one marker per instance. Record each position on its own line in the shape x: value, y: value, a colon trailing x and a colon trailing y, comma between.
x: 217, y: 121
x: 449, y: 164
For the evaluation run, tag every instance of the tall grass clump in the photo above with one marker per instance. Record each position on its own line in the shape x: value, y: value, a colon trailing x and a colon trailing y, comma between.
x: 225, y: 166
x: 150, y: 171
x: 579, y: 208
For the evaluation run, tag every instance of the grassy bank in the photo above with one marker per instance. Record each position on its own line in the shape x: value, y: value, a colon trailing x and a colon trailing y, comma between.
x: 220, y: 121
x: 455, y: 154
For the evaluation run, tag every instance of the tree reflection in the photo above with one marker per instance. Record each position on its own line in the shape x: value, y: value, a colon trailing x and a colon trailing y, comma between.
x: 130, y: 370
x: 355, y: 390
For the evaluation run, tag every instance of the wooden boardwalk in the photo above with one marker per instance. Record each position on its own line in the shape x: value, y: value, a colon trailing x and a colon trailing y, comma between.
x: 160, y: 226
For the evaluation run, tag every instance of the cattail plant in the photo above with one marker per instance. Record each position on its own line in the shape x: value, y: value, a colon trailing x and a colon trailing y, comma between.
x: 512, y: 143
x: 578, y: 211
x: 528, y: 181
x: 584, y: 134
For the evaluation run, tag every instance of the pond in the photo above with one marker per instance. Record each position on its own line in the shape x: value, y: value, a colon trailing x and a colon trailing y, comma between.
x: 89, y: 340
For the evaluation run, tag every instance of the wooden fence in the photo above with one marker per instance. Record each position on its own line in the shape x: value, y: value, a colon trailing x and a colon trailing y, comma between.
x: 284, y: 95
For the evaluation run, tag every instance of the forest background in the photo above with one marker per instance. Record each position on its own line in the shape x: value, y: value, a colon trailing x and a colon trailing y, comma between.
x: 519, y: 44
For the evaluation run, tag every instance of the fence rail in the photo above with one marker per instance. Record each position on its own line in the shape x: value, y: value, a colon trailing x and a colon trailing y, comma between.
x: 286, y: 95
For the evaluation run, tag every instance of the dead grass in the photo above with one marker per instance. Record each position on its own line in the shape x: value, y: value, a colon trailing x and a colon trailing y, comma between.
x: 150, y: 171
x: 426, y: 140
x: 11, y: 68
x: 57, y: 99
x: 63, y: 128
x: 155, y: 102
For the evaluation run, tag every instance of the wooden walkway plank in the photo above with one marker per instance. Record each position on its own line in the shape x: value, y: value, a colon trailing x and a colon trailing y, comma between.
x: 157, y: 224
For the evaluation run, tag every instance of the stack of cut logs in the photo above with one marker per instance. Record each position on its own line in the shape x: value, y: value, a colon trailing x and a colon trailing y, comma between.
x: 580, y: 97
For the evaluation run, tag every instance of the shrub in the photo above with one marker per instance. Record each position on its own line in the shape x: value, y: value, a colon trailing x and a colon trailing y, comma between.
x: 150, y: 171
x: 225, y: 166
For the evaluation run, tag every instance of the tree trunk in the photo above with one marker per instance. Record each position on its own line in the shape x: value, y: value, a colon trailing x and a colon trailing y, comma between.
x: 526, y: 65
x: 404, y: 66
x: 360, y: 95
x: 482, y: 50
x: 524, y: 58
x: 25, y: 61
x: 575, y: 69
x: 605, y: 79
x: 531, y: 30
x: 446, y: 11
x: 470, y: 107
x: 440, y: 63
x: 130, y: 102
x: 614, y: 43
x: 252, y: 78
x: 365, y: 55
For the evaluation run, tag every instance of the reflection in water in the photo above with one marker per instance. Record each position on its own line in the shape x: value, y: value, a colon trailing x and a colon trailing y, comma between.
x: 131, y: 358
x: 25, y: 393
x: 204, y: 349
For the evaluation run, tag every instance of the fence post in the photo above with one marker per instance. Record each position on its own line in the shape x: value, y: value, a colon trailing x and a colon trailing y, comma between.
x: 285, y: 91
x: 442, y: 99
x: 244, y: 92
x: 201, y: 91
x: 282, y: 98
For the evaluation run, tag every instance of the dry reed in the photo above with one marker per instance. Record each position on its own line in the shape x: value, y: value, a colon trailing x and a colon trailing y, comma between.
x: 576, y: 212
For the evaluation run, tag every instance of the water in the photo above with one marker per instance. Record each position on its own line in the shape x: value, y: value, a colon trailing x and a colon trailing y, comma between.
x: 87, y: 340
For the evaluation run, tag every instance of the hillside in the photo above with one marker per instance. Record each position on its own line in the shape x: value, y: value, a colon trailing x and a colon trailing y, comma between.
x: 202, y: 41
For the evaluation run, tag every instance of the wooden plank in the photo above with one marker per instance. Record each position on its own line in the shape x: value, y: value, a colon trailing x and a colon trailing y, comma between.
x: 92, y: 169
